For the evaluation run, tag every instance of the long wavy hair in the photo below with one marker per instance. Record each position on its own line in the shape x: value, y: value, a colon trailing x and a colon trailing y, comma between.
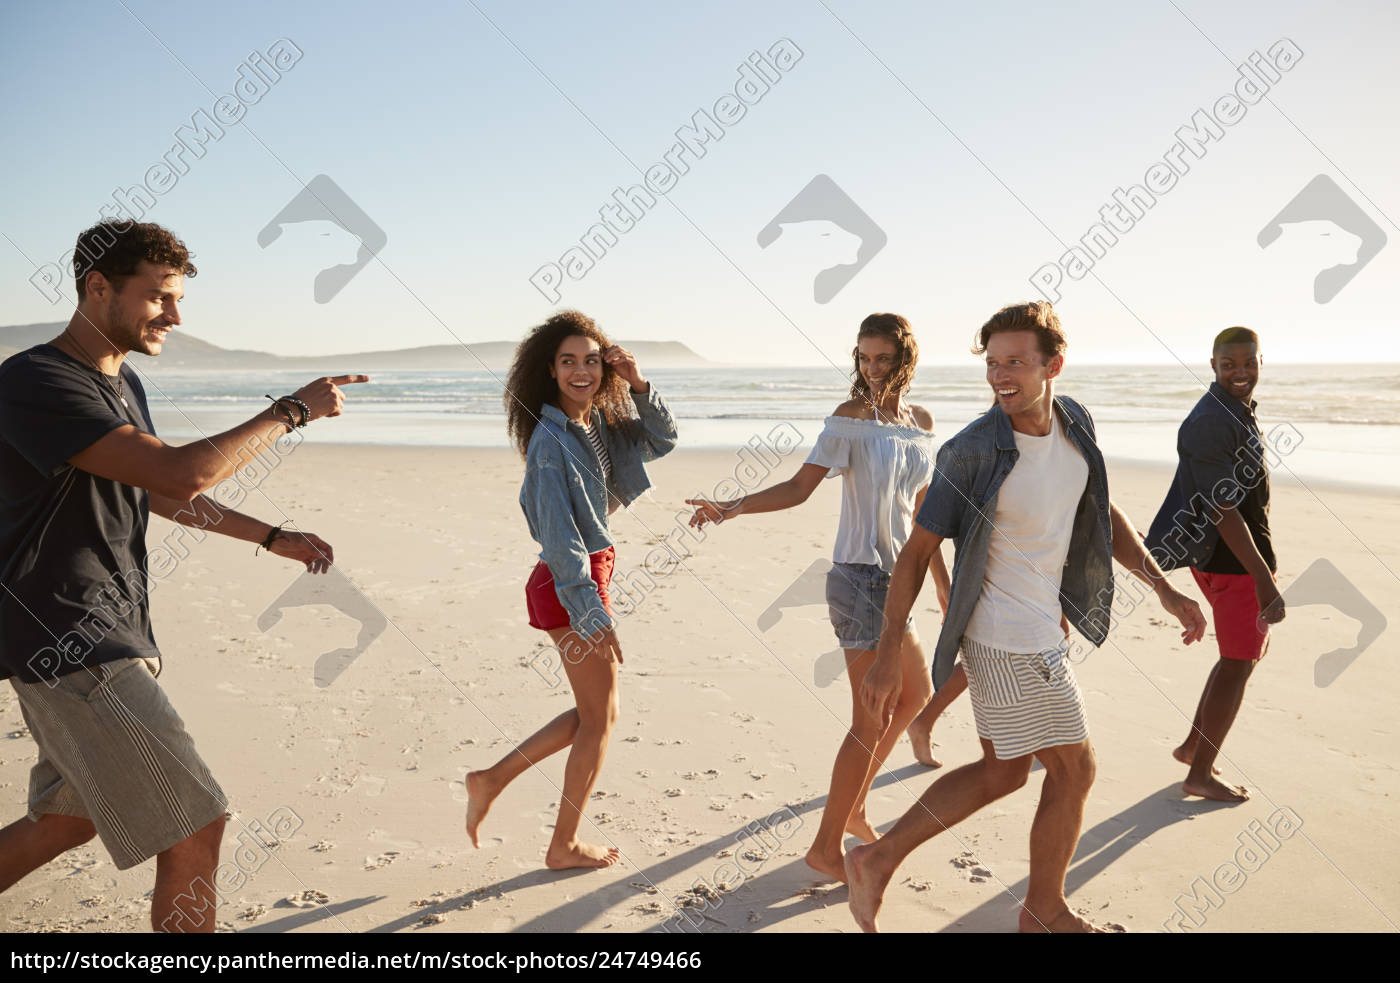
x: 895, y: 328
x: 530, y: 386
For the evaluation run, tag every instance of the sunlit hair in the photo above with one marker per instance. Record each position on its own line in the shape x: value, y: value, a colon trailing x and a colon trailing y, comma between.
x: 116, y: 249
x: 1036, y: 316
x: 1234, y: 336
x: 895, y: 328
x: 530, y: 386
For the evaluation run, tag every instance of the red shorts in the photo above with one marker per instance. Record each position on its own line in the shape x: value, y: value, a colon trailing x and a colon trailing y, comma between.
x: 542, y: 601
x: 1238, y: 630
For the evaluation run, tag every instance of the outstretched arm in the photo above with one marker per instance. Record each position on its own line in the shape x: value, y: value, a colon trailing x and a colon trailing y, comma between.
x: 1128, y: 549
x: 783, y: 495
x: 202, y: 512
x: 140, y: 459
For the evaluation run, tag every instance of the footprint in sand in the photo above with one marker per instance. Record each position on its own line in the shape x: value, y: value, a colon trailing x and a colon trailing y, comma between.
x: 383, y: 860
x: 305, y: 899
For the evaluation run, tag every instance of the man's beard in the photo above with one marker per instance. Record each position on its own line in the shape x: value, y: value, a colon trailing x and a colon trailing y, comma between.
x: 125, y: 336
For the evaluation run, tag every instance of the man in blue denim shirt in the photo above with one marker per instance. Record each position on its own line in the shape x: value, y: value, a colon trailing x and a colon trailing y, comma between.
x: 1023, y: 493
x: 1215, y: 519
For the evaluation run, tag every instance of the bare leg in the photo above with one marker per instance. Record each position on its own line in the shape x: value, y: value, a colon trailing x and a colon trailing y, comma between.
x: 948, y: 801
x: 1186, y: 752
x: 184, y: 898
x: 863, y: 751
x: 1219, y: 705
x: 921, y: 730
x: 594, y: 680
x: 1069, y: 772
x: 916, y: 689
x: 26, y: 845
x: 484, y: 786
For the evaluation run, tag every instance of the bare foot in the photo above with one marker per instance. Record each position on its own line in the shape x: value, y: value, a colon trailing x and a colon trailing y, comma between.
x: 1066, y: 922
x: 922, y: 740
x: 832, y: 865
x: 1187, y: 755
x: 1212, y: 789
x: 580, y: 855
x: 860, y: 828
x: 867, y: 879
x: 480, y: 795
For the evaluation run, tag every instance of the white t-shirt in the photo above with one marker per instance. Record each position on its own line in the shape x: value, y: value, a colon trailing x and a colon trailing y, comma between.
x: 885, y: 466
x: 1019, y: 607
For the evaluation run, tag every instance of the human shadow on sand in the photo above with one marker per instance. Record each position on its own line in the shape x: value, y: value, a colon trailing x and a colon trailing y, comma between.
x: 1099, y: 847
x: 579, y: 911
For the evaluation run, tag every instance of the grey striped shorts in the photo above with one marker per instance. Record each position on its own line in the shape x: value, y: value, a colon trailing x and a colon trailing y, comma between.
x: 112, y: 750
x: 1023, y: 703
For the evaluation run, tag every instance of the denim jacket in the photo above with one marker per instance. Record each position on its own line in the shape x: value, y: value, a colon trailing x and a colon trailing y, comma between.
x: 566, y: 503
x: 962, y: 499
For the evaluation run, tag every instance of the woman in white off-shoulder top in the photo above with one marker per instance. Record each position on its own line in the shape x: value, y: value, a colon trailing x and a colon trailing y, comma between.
x: 883, y: 449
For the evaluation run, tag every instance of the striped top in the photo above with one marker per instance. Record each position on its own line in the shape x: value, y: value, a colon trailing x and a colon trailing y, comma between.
x: 596, y: 439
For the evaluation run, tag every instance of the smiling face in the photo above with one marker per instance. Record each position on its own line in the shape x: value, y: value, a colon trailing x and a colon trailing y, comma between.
x: 578, y: 368
x: 139, y: 310
x: 877, y: 359
x: 1236, y: 368
x: 1020, y: 375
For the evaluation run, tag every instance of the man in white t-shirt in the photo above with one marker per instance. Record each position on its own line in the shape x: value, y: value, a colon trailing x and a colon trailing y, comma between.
x: 1023, y: 492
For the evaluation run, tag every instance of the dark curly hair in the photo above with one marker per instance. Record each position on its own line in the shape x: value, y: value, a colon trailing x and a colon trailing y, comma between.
x: 530, y: 386
x: 895, y: 328
x: 116, y: 249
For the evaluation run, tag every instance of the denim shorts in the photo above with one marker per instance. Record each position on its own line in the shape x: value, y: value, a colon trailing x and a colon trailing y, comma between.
x: 855, y: 602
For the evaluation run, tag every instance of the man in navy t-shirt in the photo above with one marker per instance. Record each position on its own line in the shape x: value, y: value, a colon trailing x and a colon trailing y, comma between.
x: 80, y: 471
x: 1215, y: 519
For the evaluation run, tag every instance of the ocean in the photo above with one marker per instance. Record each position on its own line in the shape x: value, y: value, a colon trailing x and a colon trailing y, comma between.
x: 1335, y: 423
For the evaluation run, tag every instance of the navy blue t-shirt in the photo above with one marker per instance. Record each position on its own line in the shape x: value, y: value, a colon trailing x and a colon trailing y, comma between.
x: 73, y: 582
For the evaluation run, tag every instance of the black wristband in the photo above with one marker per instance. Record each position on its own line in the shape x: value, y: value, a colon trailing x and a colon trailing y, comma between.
x: 302, y: 409
x: 305, y: 410
x: 266, y: 544
x: 279, y: 411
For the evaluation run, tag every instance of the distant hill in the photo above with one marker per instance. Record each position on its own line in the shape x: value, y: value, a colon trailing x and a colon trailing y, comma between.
x: 184, y: 351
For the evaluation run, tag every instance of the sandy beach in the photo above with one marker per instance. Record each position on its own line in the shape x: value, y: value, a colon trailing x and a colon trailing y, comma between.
x: 353, y: 791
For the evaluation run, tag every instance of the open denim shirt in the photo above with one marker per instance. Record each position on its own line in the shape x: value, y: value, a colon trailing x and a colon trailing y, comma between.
x: 960, y: 504
x: 567, y: 504
x: 1220, y: 460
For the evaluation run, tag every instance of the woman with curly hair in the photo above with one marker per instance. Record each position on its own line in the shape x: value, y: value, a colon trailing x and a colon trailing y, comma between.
x: 568, y: 413
x: 882, y: 447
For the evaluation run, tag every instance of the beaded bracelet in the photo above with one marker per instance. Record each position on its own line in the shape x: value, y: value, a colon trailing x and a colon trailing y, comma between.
x: 301, y: 407
x: 305, y: 410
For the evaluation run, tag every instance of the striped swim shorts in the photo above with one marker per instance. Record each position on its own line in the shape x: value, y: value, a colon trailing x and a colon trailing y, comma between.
x: 112, y: 750
x: 1023, y: 703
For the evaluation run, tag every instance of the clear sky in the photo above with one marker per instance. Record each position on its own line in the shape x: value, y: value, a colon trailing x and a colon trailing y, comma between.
x: 981, y: 139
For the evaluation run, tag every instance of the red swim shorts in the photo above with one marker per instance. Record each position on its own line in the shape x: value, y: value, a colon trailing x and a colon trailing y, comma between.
x: 542, y: 601
x: 1238, y: 630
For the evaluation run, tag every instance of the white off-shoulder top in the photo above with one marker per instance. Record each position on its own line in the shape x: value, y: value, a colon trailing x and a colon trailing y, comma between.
x: 885, y: 465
